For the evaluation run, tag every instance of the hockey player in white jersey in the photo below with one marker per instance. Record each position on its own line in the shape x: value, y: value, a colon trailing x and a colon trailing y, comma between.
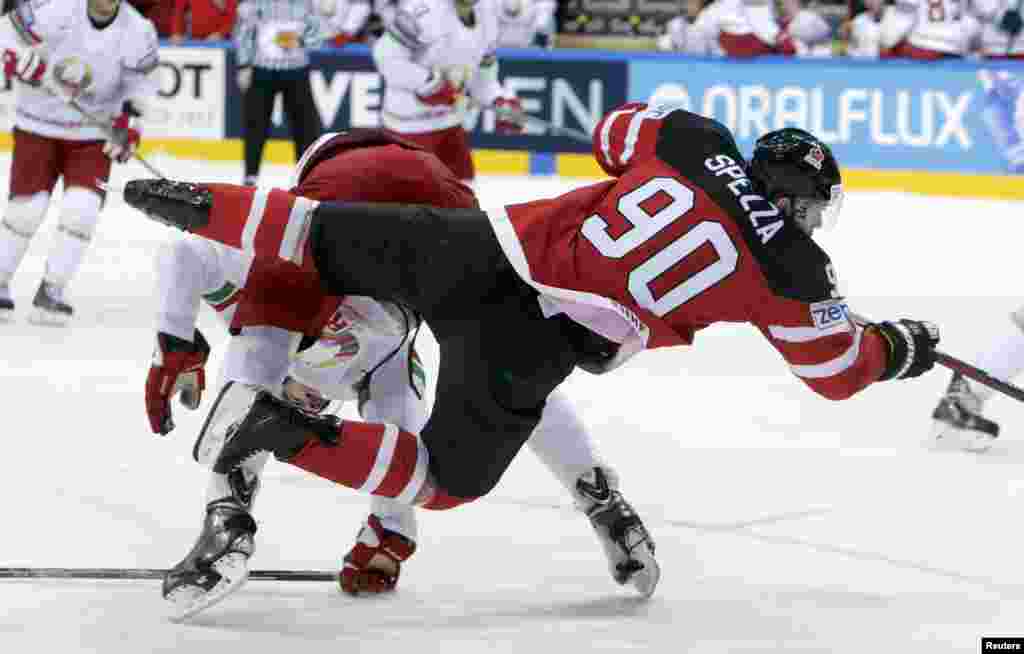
x: 362, y: 351
x: 925, y: 30
x: 346, y: 19
x: 690, y: 32
x: 437, y: 58
x: 99, y: 54
x: 526, y: 23
x: 1001, y: 25
x: 863, y: 31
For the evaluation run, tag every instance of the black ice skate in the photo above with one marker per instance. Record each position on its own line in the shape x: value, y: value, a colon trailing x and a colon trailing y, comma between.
x: 50, y: 307
x: 958, y: 419
x: 176, y: 204
x: 274, y: 426
x: 626, y: 542
x: 218, y: 564
x: 6, y: 304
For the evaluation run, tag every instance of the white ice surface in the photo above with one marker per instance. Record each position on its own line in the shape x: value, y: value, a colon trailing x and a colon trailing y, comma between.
x: 784, y: 522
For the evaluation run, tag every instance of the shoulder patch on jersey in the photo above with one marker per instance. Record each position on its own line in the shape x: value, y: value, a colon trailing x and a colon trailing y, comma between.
x: 830, y: 315
x: 23, y: 18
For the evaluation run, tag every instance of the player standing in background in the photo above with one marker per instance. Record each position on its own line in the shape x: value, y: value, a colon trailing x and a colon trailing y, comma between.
x: 364, y: 350
x: 1001, y: 27
x: 863, y: 30
x: 526, y: 23
x: 687, y: 234
x: 436, y: 58
x: 346, y: 19
x: 751, y: 28
x: 272, y: 38
x: 925, y: 30
x: 690, y: 32
x: 99, y: 54
x: 958, y: 419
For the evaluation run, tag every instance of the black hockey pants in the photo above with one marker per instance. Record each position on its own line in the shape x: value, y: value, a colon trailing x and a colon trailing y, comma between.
x: 500, y: 358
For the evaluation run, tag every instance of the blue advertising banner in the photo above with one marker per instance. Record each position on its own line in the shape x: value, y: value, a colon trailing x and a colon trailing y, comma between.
x: 567, y: 91
x: 943, y: 116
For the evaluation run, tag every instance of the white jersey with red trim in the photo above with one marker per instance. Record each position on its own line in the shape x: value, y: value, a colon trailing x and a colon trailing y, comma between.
x: 426, y: 39
x: 680, y: 240
x: 994, y: 41
x: 697, y: 37
x: 519, y: 21
x: 103, y: 67
x: 935, y: 25
x: 865, y: 36
x: 360, y: 335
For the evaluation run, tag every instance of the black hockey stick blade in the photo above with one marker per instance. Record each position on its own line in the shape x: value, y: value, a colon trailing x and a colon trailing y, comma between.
x: 106, y: 574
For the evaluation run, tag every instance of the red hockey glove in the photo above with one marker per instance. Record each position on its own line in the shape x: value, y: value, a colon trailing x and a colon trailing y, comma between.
x: 29, y: 68
x: 123, y: 140
x: 438, y: 91
x: 509, y: 113
x: 177, y: 366
x: 374, y: 563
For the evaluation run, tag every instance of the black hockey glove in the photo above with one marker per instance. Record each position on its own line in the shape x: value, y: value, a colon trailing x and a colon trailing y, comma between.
x: 911, y: 347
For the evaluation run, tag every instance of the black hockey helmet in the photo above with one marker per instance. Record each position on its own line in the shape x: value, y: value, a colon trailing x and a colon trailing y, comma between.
x: 792, y: 163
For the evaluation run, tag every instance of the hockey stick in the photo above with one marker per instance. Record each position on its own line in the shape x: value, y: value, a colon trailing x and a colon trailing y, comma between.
x: 108, y: 574
x: 965, y: 369
x: 95, y: 121
x: 521, y: 118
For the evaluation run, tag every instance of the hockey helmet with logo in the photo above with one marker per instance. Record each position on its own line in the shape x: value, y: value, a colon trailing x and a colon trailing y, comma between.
x: 792, y: 163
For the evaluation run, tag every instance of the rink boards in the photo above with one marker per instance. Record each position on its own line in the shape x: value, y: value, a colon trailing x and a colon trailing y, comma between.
x: 958, y: 130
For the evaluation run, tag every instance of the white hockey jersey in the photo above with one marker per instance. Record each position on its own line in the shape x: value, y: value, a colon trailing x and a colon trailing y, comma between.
x: 520, y: 20
x: 362, y: 334
x: 935, y: 25
x: 698, y: 37
x: 345, y: 16
x: 106, y: 66
x: 865, y: 36
x: 427, y: 36
x: 994, y: 41
x: 810, y: 32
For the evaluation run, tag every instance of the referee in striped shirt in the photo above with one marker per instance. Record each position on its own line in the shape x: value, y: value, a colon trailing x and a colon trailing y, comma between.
x: 271, y: 42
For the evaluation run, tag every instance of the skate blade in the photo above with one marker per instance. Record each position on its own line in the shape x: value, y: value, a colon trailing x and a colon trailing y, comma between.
x: 947, y: 437
x: 234, y: 571
x: 46, y: 318
x: 6, y: 315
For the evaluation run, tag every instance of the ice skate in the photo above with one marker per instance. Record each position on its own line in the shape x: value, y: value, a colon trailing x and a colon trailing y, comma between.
x: 626, y: 542
x: 218, y: 564
x: 6, y: 304
x: 374, y: 563
x: 958, y: 421
x: 49, y: 307
x: 275, y: 426
x: 176, y: 204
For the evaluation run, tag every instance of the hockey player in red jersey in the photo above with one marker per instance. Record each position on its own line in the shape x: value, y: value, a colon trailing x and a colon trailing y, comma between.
x: 685, y: 235
x: 356, y: 346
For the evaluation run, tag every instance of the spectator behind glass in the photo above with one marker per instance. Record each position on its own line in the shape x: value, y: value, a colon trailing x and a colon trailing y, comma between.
x: 159, y: 12
x: 211, y: 20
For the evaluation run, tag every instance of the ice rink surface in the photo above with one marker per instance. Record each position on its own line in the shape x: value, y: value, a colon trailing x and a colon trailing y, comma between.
x: 784, y: 522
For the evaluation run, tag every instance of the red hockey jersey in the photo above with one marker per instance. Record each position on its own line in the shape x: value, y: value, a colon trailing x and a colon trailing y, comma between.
x: 679, y: 241
x: 359, y: 166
